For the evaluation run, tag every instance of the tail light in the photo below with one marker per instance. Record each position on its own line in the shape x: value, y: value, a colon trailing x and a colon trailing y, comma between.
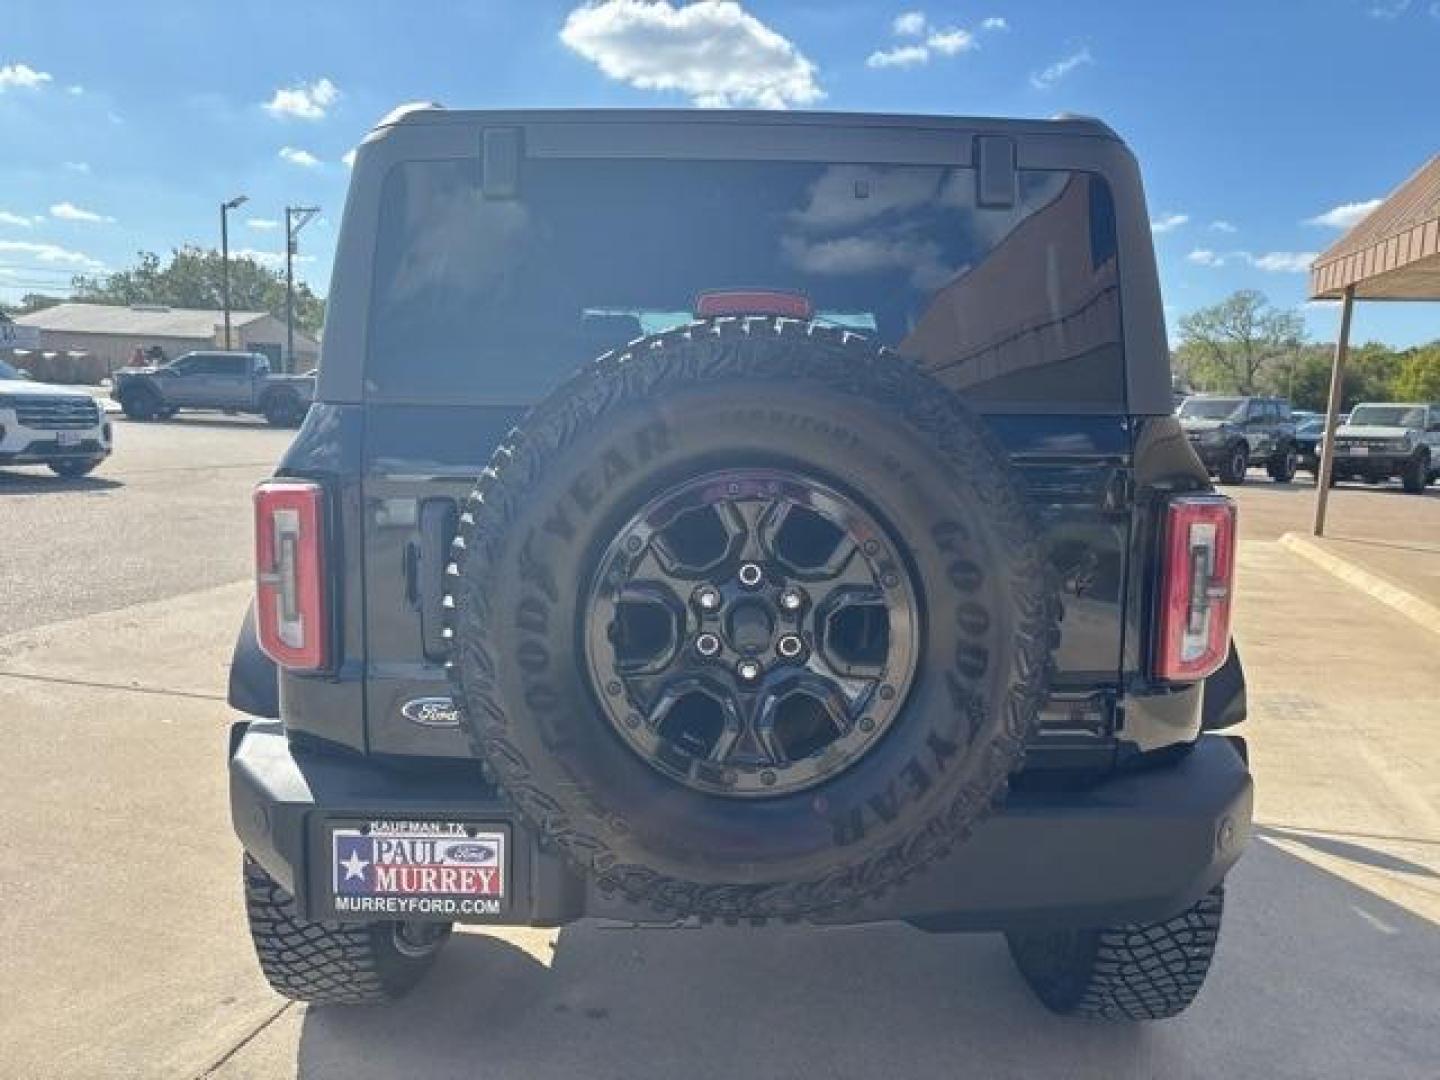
x: 1196, y: 587
x: 290, y: 601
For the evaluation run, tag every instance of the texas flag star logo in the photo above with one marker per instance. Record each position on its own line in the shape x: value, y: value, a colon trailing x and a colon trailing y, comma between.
x: 355, y: 867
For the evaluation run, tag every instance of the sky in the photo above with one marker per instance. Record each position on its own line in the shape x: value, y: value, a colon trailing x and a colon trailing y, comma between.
x: 1263, y: 128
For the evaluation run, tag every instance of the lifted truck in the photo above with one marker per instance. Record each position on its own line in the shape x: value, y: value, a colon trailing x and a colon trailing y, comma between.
x: 742, y: 516
x: 233, y: 382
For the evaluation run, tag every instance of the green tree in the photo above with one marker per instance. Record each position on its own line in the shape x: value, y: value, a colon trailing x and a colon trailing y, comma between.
x: 193, y: 279
x: 1230, y: 345
x: 1419, y: 377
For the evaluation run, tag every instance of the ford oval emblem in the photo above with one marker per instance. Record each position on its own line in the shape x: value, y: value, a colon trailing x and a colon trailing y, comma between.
x: 431, y: 712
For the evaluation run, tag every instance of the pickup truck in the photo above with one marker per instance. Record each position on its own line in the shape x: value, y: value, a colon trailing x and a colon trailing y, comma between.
x: 235, y: 382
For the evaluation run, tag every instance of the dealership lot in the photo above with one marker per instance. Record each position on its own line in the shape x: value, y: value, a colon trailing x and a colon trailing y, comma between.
x: 127, y: 955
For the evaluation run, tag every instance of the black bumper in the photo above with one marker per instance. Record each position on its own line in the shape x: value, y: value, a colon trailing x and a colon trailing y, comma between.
x: 1139, y: 846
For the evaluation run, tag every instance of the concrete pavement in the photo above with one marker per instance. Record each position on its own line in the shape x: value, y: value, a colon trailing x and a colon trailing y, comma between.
x: 126, y: 952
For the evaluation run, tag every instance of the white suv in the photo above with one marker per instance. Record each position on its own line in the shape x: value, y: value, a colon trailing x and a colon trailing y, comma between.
x: 58, y: 426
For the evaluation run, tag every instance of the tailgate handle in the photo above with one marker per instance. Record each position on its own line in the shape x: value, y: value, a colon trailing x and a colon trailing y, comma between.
x: 438, y: 518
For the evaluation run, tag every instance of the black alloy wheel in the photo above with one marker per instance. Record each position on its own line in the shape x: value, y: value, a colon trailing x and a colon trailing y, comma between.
x: 752, y: 633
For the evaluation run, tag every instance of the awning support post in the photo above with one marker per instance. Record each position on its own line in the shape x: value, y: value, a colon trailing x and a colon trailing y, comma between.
x: 1332, y: 413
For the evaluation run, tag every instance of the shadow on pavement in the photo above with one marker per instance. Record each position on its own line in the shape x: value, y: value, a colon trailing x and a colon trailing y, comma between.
x: 1349, y: 850
x: 1315, y: 977
x: 29, y: 483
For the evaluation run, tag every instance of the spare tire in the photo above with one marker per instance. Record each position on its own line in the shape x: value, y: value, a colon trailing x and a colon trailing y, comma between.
x: 751, y: 619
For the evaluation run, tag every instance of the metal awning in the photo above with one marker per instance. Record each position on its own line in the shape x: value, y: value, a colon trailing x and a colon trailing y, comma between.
x: 1393, y: 254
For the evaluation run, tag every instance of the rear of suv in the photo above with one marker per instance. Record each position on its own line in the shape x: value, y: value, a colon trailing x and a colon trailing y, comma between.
x: 738, y: 516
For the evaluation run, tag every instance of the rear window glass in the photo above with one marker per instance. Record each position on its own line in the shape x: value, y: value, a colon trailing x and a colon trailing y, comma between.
x: 497, y: 300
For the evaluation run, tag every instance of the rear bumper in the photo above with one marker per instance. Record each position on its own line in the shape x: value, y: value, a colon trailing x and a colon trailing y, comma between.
x: 1139, y: 846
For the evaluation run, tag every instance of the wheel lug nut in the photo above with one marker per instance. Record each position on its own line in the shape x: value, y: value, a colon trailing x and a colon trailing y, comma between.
x: 790, y: 646
x: 791, y: 599
x: 751, y: 575
x: 748, y: 670
x: 707, y: 644
x: 708, y: 598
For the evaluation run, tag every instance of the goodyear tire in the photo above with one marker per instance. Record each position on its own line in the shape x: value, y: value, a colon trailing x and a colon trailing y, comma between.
x: 943, y: 544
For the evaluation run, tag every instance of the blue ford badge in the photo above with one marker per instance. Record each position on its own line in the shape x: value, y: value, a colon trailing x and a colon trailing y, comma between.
x: 431, y: 712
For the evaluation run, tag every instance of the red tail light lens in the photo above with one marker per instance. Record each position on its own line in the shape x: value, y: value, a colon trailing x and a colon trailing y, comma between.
x: 712, y: 305
x: 1197, y: 587
x: 290, y: 598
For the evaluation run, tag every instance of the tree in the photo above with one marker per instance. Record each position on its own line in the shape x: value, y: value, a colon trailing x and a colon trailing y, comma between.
x: 1419, y: 378
x: 1229, y: 345
x: 194, y: 279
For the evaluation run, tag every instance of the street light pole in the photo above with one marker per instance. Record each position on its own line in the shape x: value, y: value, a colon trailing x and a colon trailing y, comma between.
x: 296, y: 218
x: 225, y: 208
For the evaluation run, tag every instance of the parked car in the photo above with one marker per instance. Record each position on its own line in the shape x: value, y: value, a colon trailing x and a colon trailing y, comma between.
x: 1386, y: 440
x: 843, y: 596
x: 42, y: 424
x: 1230, y: 434
x: 228, y: 381
x: 1308, y: 434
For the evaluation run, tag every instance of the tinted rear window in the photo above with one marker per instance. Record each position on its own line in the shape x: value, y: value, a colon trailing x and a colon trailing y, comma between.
x: 497, y: 300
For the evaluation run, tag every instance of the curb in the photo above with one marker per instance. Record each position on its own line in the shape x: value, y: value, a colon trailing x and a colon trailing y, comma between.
x: 1369, y: 582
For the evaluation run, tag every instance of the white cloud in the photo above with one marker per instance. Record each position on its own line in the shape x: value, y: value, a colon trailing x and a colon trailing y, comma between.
x: 304, y: 102
x: 75, y: 90
x: 994, y: 22
x: 1220, y: 225
x: 77, y: 166
x: 1168, y: 222
x: 714, y: 50
x: 262, y: 224
x: 908, y: 24
x: 50, y: 253
x: 303, y: 158
x: 1284, y: 262
x: 1275, y: 262
x: 68, y: 211
x: 939, y: 41
x: 950, y: 41
x: 268, y: 258
x: 1043, y: 80
x: 22, y: 76
x: 1388, y: 9
x: 348, y: 157
x: 899, y: 56
x: 1346, y: 215
x: 18, y: 220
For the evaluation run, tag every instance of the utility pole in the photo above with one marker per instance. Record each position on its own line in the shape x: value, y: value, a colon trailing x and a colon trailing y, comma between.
x: 225, y: 208
x: 296, y: 218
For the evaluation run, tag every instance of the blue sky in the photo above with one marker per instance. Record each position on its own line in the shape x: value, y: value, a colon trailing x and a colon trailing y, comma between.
x: 122, y: 126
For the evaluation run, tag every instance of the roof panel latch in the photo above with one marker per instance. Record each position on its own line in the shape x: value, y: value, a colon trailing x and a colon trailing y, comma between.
x: 994, y: 171
x: 500, y: 163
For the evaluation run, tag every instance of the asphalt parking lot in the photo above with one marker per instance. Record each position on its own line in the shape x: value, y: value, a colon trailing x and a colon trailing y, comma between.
x: 126, y: 953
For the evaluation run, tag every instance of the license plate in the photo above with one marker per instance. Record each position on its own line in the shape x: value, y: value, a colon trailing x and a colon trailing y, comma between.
x: 395, y: 869
x: 1356, y: 451
x: 69, y: 438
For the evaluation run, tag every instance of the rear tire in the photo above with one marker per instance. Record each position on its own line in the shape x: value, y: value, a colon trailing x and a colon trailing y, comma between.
x: 74, y: 468
x: 1236, y: 464
x: 1415, y: 475
x: 1139, y: 971
x: 330, y: 963
x: 141, y: 404
x: 1282, y: 469
x: 283, y: 409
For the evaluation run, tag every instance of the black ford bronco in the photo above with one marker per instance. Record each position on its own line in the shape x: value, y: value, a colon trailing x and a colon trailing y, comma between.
x: 742, y: 517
